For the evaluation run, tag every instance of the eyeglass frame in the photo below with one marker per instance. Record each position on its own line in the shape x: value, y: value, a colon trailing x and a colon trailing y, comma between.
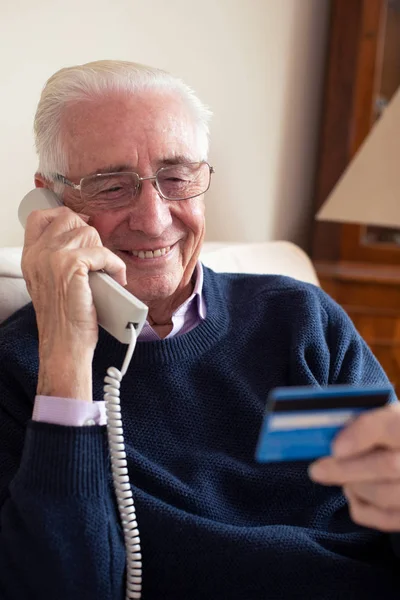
x: 78, y: 186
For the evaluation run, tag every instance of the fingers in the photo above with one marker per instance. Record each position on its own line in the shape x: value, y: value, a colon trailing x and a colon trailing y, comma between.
x: 371, y: 484
x: 383, y: 495
x: 380, y: 427
x: 368, y: 515
x: 95, y: 256
x: 55, y: 230
x: 378, y: 465
x: 82, y: 236
x: 40, y: 220
x: 366, y: 462
x: 99, y: 258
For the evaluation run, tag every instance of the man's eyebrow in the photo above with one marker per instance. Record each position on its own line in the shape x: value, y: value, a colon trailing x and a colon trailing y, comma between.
x: 116, y: 168
x: 176, y: 159
x: 162, y: 162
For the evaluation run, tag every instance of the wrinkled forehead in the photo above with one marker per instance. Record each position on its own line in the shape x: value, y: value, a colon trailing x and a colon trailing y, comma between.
x: 137, y: 130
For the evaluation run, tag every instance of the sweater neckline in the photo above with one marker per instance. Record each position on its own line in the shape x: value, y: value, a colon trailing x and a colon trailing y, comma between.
x: 195, y: 342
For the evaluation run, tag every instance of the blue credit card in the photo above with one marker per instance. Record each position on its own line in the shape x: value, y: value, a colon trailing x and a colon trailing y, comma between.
x: 300, y: 423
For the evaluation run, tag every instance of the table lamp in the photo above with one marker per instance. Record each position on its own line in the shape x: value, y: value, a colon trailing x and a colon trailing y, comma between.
x: 368, y: 193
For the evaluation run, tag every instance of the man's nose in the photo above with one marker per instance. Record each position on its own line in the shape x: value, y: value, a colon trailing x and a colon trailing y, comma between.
x: 149, y: 212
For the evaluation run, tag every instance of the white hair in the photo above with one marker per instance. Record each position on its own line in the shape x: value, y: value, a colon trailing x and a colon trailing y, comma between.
x: 93, y: 80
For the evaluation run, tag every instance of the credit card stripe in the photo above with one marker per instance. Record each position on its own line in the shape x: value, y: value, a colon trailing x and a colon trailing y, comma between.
x: 300, y: 420
x: 322, y: 403
x: 331, y: 391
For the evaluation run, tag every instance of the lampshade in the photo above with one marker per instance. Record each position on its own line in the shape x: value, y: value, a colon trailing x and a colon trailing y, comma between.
x: 368, y: 192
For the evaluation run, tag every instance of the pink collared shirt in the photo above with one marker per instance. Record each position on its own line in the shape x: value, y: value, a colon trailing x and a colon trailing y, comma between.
x: 69, y: 411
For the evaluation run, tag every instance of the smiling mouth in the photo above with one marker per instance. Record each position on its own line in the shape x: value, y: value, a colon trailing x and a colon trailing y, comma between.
x: 146, y: 254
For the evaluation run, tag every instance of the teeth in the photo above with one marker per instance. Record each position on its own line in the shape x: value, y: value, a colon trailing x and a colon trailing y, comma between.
x: 151, y: 253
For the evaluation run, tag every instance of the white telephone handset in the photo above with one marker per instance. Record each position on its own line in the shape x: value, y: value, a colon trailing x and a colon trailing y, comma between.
x: 116, y: 308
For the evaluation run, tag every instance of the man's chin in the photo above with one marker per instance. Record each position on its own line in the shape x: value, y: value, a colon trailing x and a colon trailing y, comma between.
x: 151, y: 290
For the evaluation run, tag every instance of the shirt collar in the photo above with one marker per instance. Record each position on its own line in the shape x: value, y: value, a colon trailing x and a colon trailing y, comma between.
x: 196, y: 296
x: 187, y: 316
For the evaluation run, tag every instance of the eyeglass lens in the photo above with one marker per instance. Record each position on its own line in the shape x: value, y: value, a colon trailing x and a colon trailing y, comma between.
x: 175, y: 182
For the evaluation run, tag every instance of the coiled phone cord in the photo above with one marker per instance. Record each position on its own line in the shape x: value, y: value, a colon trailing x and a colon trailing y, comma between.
x: 119, y: 468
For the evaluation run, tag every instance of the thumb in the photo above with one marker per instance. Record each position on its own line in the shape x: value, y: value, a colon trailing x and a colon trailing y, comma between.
x: 99, y: 258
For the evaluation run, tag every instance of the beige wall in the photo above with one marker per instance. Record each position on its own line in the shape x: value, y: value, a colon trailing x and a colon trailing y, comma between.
x: 257, y: 63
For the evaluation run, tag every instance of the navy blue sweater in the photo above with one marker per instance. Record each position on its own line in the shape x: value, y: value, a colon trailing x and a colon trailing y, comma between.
x: 214, y: 524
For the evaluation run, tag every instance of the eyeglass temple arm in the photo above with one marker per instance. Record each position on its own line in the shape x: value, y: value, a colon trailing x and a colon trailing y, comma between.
x: 66, y: 181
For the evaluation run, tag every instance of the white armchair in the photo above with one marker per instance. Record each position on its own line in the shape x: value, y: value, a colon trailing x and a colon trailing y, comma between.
x: 282, y: 258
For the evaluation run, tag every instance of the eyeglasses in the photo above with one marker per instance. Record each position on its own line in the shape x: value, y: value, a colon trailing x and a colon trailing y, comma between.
x: 116, y: 190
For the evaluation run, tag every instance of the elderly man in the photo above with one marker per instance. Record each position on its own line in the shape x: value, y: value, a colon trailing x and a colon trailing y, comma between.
x: 122, y: 144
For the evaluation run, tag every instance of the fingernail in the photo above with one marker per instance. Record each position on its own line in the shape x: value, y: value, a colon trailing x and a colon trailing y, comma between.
x: 84, y: 217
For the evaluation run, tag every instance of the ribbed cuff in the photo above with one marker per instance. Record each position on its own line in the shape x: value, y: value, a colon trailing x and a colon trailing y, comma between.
x: 60, y: 460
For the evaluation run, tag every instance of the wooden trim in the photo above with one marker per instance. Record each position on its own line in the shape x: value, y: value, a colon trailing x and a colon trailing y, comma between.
x: 352, y: 75
x: 339, y: 91
x: 368, y: 70
x: 350, y: 271
x: 369, y: 73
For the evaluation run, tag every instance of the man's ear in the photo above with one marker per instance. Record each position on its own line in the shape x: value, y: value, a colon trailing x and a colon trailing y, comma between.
x: 41, y: 182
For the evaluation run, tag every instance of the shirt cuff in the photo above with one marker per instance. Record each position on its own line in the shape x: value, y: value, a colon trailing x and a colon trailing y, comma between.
x: 68, y: 411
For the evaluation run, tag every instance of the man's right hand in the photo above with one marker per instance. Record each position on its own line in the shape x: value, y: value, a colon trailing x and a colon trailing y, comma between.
x: 59, y: 251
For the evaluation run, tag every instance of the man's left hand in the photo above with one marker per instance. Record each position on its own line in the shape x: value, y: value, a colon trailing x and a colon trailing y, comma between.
x: 365, y: 461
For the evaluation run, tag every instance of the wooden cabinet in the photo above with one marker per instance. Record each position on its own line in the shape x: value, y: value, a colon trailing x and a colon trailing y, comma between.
x: 359, y: 266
